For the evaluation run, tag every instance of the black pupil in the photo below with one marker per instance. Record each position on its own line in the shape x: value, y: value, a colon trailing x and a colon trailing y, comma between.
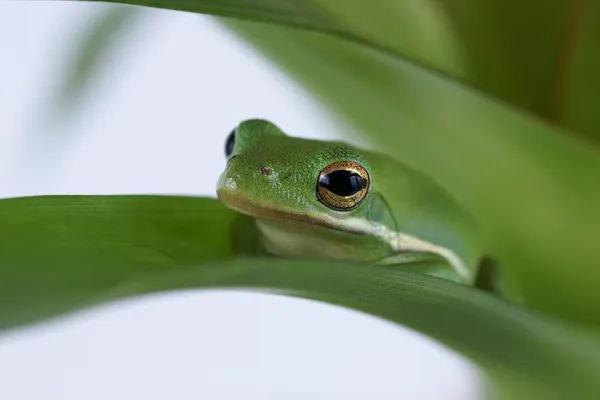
x: 229, y: 143
x: 342, y: 183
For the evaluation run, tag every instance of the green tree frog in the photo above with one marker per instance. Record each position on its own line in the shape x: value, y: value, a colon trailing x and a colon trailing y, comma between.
x: 320, y: 199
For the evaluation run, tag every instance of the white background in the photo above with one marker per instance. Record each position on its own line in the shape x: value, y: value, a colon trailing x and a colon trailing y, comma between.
x: 155, y: 123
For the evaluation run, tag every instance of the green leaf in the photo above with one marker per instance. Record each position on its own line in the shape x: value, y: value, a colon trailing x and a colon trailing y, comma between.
x: 64, y: 252
x: 516, y: 50
x: 61, y: 253
x: 415, y: 30
x: 539, y: 55
x: 583, y: 79
x: 489, y: 45
x: 524, y: 355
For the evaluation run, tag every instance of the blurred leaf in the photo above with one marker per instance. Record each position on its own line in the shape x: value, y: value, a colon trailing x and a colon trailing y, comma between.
x: 63, y: 252
x: 489, y: 45
x: 97, y: 42
x: 516, y: 49
x: 60, y: 253
x: 528, y: 183
x: 582, y: 94
x: 415, y: 30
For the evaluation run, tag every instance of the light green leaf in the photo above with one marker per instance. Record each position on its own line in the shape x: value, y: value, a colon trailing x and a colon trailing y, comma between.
x: 415, y: 30
x: 61, y: 253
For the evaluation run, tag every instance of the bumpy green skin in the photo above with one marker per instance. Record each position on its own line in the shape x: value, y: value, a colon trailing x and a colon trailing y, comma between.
x: 294, y: 223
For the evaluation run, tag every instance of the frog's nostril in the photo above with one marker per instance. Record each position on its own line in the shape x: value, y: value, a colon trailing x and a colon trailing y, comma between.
x: 265, y: 170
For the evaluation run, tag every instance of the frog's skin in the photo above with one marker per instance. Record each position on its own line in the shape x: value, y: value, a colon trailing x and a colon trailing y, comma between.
x: 403, y: 219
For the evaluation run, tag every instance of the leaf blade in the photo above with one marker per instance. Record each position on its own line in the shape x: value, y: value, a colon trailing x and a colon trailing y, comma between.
x: 94, y: 242
x: 122, y: 242
x: 313, y: 15
x: 582, y: 81
x: 508, y: 58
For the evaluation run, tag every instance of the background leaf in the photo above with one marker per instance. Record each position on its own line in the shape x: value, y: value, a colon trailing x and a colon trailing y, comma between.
x: 581, y: 93
x: 516, y: 50
x: 91, y: 51
x: 532, y: 55
x: 429, y: 43
x: 93, y: 249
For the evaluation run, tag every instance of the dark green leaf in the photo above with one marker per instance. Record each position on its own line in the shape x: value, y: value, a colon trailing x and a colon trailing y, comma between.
x: 516, y: 50
x: 583, y: 78
x: 61, y: 253
x: 415, y: 30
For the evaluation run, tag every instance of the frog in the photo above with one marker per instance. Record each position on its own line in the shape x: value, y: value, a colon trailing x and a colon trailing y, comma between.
x: 318, y: 199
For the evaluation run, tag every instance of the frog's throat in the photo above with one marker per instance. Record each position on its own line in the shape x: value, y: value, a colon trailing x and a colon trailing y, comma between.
x: 398, y: 241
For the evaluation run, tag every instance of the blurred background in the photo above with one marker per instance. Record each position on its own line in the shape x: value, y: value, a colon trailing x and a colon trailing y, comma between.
x: 155, y: 122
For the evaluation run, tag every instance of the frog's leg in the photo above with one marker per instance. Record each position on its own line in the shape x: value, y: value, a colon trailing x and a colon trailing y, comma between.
x: 424, y: 263
x: 488, y: 277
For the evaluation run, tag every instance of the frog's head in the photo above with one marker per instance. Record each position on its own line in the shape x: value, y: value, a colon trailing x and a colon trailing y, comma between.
x: 270, y: 175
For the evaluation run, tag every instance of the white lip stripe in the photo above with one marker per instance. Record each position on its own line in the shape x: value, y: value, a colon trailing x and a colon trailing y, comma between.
x: 403, y: 242
x: 397, y: 240
x: 406, y: 242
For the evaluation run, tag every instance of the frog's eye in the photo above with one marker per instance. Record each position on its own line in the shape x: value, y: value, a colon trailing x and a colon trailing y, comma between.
x: 343, y: 185
x: 229, y: 143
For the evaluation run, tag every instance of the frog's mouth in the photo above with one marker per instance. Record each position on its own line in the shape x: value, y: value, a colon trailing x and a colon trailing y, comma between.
x: 232, y: 199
